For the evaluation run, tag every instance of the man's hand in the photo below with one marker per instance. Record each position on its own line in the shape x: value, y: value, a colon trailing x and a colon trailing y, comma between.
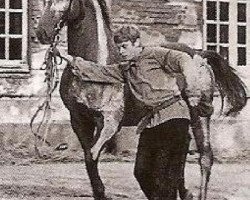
x: 75, y: 61
x: 194, y: 101
x: 68, y: 58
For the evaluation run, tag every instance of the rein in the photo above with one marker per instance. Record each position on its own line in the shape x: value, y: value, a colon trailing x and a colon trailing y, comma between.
x: 51, y: 79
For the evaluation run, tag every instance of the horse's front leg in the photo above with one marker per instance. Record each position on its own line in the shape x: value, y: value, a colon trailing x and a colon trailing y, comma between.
x: 95, y: 180
x: 84, y: 130
x: 201, y: 131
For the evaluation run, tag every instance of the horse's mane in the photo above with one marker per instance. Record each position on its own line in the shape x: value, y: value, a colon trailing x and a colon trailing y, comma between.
x: 104, y: 9
x: 229, y: 83
x: 105, y: 12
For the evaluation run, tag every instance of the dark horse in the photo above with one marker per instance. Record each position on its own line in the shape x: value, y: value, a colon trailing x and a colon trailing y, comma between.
x: 97, y: 109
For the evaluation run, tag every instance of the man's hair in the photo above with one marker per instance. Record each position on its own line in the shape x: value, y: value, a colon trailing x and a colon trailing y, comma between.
x: 126, y: 33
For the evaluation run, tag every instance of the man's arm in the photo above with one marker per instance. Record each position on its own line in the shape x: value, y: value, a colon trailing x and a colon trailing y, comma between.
x: 78, y: 61
x: 89, y: 70
x: 175, y: 61
x: 190, y: 71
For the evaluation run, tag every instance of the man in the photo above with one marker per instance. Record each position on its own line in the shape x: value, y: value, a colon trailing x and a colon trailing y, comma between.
x: 157, y: 76
x: 159, y: 79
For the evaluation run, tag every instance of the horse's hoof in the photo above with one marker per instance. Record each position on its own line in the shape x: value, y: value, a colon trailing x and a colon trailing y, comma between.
x: 188, y: 196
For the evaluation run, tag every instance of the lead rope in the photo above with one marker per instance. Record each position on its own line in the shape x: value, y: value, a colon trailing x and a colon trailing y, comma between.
x: 52, y: 81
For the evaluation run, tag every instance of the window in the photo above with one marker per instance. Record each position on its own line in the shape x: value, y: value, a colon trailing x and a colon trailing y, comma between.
x: 226, y: 31
x: 242, y: 33
x: 13, y: 35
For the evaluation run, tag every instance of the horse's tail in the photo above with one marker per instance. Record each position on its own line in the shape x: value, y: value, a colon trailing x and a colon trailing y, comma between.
x: 229, y: 83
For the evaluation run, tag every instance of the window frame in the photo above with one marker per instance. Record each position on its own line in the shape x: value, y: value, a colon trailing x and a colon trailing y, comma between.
x: 22, y: 65
x: 233, y: 35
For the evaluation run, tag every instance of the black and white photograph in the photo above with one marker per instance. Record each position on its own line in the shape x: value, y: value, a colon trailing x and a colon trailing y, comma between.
x: 124, y: 99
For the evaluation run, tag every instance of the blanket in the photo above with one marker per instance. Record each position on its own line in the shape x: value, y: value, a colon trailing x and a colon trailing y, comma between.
x: 89, y: 71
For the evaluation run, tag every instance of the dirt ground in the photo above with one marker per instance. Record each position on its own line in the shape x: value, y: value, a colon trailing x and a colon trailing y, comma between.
x: 61, y: 181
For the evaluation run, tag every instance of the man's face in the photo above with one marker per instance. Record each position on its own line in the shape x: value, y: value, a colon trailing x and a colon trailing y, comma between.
x: 129, y: 50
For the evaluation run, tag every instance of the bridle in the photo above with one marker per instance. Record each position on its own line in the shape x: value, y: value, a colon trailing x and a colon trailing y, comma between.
x: 58, y: 26
x: 65, y: 18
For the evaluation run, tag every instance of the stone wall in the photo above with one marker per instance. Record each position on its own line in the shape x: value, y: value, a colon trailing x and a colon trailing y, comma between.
x: 161, y: 20
x: 23, y: 93
x: 158, y: 20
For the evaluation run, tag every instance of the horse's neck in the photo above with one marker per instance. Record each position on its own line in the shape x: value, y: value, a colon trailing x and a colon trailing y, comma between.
x: 91, y: 38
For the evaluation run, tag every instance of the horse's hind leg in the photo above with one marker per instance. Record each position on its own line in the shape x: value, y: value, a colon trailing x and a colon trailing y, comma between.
x: 201, y: 130
x: 206, y: 158
x: 111, y: 124
x: 184, y: 193
x: 84, y: 129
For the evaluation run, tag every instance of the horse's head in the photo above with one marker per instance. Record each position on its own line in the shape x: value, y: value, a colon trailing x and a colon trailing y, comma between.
x: 53, y: 13
x: 89, y: 32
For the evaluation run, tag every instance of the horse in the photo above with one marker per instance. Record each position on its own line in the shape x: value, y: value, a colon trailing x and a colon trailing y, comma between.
x: 97, y: 109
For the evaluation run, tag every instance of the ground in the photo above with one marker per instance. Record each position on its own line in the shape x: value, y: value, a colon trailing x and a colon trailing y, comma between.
x: 61, y: 181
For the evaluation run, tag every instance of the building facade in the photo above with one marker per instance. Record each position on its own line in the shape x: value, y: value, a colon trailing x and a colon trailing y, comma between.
x: 220, y: 25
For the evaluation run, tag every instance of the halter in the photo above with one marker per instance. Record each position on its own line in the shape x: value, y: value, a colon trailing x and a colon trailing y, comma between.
x: 65, y: 17
x: 58, y: 27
